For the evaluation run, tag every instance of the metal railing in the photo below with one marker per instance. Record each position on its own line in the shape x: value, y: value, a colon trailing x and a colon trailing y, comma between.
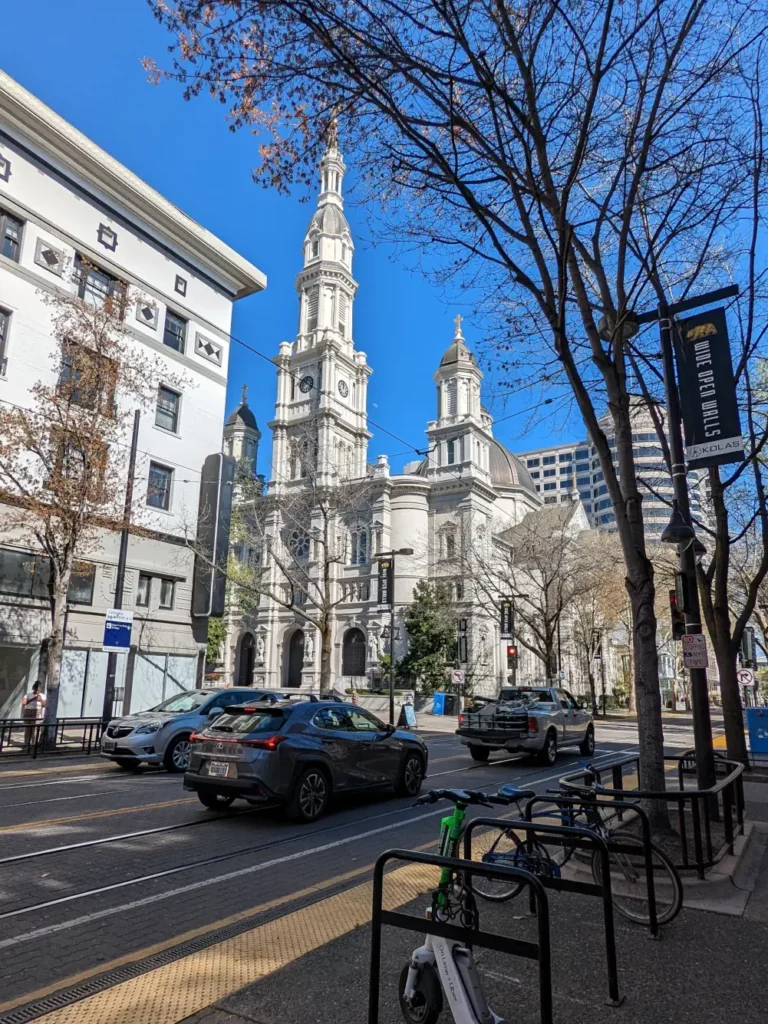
x: 22, y: 738
x: 722, y: 803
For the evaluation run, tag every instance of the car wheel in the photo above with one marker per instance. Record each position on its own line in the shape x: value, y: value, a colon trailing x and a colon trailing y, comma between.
x: 548, y: 754
x: 411, y: 776
x: 176, y: 758
x: 214, y: 801
x: 479, y: 753
x: 587, y: 745
x: 310, y: 796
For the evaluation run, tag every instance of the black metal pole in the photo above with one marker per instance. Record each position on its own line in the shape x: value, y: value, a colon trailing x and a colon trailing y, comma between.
x: 392, y: 648
x: 109, y: 689
x: 702, y: 724
x: 602, y: 672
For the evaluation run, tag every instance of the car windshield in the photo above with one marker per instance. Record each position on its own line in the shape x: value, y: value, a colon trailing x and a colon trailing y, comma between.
x: 268, y: 720
x: 527, y: 693
x: 182, y: 702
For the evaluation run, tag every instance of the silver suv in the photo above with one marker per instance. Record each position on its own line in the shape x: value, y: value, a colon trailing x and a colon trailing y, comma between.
x: 161, y: 734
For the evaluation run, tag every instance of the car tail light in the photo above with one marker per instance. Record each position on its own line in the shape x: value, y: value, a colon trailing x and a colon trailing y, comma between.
x: 270, y: 743
x: 196, y: 738
x: 461, y: 720
x: 533, y: 724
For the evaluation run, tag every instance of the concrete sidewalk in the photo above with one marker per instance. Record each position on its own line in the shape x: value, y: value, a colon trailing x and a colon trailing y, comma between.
x: 427, y: 722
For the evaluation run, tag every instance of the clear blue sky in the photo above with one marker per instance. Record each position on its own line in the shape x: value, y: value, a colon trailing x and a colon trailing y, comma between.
x: 83, y: 59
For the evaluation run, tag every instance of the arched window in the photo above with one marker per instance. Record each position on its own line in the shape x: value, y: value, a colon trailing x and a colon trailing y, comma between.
x: 315, y: 247
x: 450, y: 545
x: 359, y: 546
x: 451, y: 452
x: 343, y: 252
x: 353, y: 653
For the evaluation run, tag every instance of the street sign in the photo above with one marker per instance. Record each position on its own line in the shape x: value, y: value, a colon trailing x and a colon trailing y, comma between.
x: 746, y: 677
x: 457, y: 677
x: 117, y: 631
x: 708, y: 391
x: 695, y: 650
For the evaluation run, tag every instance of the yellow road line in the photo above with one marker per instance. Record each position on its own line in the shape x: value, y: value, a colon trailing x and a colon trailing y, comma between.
x: 93, y: 814
x: 719, y: 742
x: 95, y: 766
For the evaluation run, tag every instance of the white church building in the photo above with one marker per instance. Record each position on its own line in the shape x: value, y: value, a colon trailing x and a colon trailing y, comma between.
x: 467, y: 485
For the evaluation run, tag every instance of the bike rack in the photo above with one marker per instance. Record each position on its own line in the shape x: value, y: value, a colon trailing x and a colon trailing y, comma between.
x: 615, y: 845
x: 539, y: 951
x: 581, y: 838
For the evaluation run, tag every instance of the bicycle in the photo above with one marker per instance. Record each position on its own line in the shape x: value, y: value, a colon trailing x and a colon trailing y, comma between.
x: 445, y: 965
x: 628, y: 878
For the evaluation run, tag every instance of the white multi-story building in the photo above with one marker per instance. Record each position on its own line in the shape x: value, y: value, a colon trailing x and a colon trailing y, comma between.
x: 561, y: 470
x: 64, y: 200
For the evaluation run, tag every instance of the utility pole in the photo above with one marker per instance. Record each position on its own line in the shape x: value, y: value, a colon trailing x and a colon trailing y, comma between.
x: 109, y: 689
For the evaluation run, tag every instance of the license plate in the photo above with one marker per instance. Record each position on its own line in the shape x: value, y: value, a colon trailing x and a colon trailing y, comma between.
x: 220, y: 769
x: 109, y: 744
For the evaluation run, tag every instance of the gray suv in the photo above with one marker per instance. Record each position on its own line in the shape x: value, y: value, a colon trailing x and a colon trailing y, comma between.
x: 161, y: 735
x: 299, y: 753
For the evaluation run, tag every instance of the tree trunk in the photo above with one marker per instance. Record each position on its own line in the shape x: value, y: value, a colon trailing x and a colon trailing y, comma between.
x: 55, y: 652
x: 592, y: 692
x: 649, y: 724
x: 325, y: 658
x: 733, y: 716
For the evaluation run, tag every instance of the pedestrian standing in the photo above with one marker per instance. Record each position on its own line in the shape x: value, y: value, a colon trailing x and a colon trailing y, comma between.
x: 32, y: 711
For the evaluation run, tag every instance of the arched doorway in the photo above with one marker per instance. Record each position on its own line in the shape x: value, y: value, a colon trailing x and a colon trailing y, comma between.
x: 353, y: 653
x: 295, y: 659
x: 245, y: 660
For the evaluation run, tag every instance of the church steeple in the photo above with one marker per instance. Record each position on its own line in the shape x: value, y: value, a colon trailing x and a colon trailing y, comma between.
x: 460, y: 435
x: 322, y: 380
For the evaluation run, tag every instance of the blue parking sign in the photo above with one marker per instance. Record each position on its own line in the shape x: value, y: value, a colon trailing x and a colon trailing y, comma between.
x: 117, y: 631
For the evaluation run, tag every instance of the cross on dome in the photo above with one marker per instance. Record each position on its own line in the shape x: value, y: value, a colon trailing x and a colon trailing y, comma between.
x: 458, y: 336
x: 245, y: 394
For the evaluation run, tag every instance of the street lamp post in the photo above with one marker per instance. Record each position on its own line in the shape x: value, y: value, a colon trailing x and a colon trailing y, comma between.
x: 680, y: 531
x: 391, y: 596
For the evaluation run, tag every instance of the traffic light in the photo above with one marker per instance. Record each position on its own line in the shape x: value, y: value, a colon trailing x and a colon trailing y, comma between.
x: 511, y: 656
x: 678, y: 618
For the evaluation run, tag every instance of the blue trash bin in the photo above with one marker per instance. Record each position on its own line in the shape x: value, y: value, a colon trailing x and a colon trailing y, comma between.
x: 757, y: 725
x: 438, y: 704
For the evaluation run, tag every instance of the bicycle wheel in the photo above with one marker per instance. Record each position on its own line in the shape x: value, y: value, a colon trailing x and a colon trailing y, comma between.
x: 628, y: 882
x: 504, y: 850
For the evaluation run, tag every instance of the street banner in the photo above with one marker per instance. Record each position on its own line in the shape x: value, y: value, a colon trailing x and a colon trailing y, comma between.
x: 507, y: 624
x: 708, y: 391
x: 386, y: 594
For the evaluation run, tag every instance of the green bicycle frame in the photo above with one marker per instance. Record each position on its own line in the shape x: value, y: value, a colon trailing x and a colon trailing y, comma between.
x: 450, y: 834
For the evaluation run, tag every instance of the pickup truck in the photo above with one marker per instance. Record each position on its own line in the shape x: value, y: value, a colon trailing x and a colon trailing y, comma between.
x: 536, y: 720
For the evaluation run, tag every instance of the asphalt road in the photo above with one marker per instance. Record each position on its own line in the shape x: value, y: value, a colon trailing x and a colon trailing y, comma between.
x: 100, y: 869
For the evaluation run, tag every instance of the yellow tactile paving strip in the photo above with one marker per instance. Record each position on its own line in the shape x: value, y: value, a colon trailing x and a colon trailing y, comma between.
x: 171, y: 993
x: 27, y: 826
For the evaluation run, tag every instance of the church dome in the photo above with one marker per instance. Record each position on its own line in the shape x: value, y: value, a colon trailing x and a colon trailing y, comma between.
x: 242, y: 417
x: 457, y: 352
x: 507, y: 470
x: 330, y: 220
